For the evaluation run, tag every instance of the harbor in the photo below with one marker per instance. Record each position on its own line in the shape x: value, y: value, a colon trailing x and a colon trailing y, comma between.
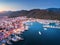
x: 12, y: 28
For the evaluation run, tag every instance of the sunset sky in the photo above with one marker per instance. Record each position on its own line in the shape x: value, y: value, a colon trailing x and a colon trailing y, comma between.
x: 6, y: 5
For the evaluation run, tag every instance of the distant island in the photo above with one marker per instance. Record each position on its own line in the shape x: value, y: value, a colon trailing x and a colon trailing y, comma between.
x: 50, y: 13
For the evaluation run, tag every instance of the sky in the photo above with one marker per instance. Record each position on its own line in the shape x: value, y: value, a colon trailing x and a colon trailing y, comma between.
x: 13, y: 5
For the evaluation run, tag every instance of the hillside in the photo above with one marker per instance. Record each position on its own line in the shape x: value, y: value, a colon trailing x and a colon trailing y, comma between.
x: 50, y: 13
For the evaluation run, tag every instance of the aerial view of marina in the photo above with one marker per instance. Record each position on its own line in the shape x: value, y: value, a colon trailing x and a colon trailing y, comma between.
x: 29, y: 22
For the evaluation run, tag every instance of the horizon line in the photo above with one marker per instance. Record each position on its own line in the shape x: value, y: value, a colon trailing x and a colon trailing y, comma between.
x: 24, y: 9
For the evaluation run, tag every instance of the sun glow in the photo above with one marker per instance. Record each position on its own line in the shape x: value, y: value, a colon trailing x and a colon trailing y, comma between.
x: 7, y: 8
x: 10, y: 7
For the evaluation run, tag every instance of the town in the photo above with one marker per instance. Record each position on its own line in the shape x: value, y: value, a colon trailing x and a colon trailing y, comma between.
x: 16, y: 26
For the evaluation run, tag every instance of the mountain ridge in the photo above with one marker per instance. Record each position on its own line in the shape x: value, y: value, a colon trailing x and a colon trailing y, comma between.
x: 50, y: 13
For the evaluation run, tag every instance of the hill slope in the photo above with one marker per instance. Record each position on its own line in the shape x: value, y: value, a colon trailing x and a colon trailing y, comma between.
x: 50, y: 13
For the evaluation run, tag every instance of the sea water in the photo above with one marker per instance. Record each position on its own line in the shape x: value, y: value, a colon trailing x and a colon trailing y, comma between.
x: 36, y: 35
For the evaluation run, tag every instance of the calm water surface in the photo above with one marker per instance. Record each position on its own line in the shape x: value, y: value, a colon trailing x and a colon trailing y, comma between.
x: 51, y: 36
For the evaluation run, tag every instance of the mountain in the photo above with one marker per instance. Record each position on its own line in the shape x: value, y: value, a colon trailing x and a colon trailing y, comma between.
x: 5, y: 13
x: 18, y: 13
x: 54, y: 9
x: 50, y: 13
